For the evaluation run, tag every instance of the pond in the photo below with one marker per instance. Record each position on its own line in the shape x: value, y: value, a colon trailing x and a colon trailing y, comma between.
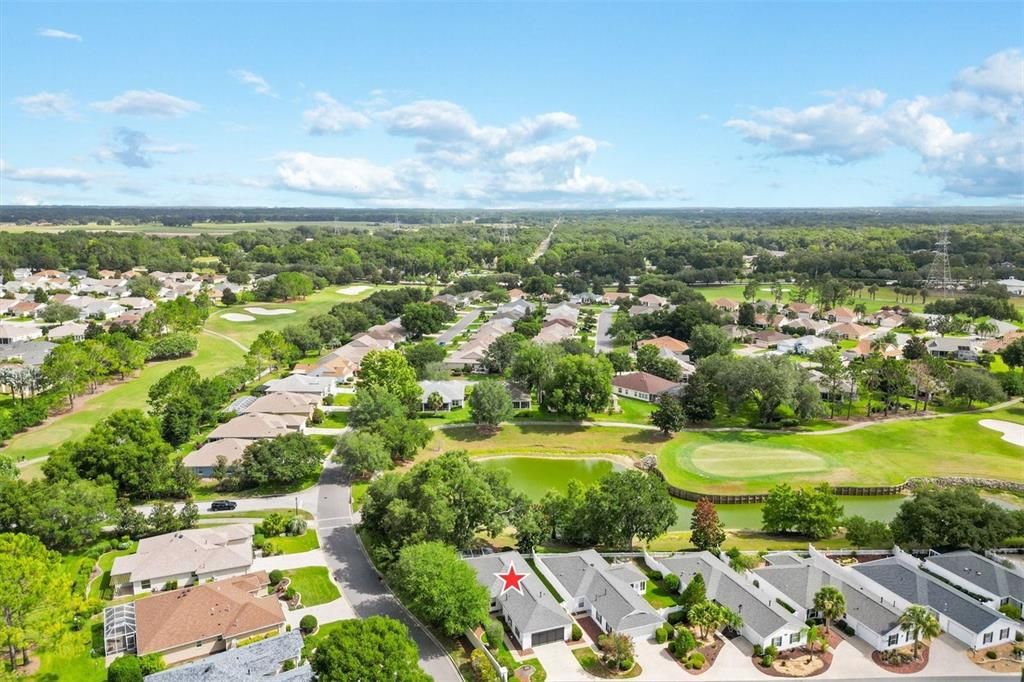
x: 536, y: 475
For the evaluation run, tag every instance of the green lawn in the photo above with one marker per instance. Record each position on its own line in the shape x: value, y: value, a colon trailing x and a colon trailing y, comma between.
x: 259, y: 514
x: 633, y: 411
x: 883, y: 454
x: 746, y: 540
x: 334, y: 420
x: 71, y: 660
x: 885, y: 296
x: 548, y: 440
x: 294, y: 544
x: 656, y: 594
x: 358, y: 494
x: 100, y: 587
x: 342, y: 399
x: 551, y: 589
x: 208, y: 493
x: 314, y: 584
x: 214, y: 355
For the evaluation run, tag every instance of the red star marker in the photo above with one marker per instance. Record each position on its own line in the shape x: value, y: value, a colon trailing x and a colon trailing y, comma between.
x: 512, y: 579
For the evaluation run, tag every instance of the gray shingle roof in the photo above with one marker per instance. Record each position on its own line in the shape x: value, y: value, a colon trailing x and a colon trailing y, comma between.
x: 532, y: 611
x: 587, y: 574
x: 983, y: 572
x: 260, y: 660
x: 915, y: 586
x: 730, y: 591
x: 800, y: 582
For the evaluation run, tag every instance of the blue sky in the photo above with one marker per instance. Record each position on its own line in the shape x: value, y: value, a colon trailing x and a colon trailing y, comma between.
x: 512, y: 104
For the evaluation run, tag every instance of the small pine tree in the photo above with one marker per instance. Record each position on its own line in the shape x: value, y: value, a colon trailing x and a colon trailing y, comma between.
x: 695, y: 593
x: 707, y: 533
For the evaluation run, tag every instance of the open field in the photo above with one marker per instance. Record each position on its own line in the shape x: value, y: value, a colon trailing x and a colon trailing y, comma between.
x: 214, y: 355
x: 193, y: 231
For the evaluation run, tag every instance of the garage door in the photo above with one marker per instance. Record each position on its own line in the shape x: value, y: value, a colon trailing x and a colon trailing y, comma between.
x: 546, y: 636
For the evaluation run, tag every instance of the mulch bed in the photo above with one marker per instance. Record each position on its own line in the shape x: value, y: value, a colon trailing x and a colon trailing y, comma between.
x: 834, y: 638
x: 915, y: 665
x: 590, y: 627
x: 710, y: 652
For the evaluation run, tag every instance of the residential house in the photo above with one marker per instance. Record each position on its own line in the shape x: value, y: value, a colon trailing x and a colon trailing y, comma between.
x: 585, y: 298
x: 447, y: 299
x: 802, y: 309
x: 642, y: 386
x: 958, y: 348
x: 26, y: 308
x: 554, y: 332
x: 137, y: 303
x: 302, y: 383
x: 564, y: 312
x: 1013, y: 285
x: 613, y: 297
x: 641, y: 310
x: 653, y: 301
x: 264, y: 660
x: 184, y: 624
x: 805, y: 345
x: 979, y: 575
x: 333, y: 366
x: 298, y: 404
x: 515, y: 309
x: 610, y: 594
x: 765, y: 622
x: 738, y: 333
x: 864, y: 348
x: 183, y: 558
x: 666, y: 343
x: 887, y: 319
x: 769, y: 338
x: 69, y: 330
x: 726, y: 304
x: 515, y: 294
x: 848, y: 330
x: 533, y: 616
x: 806, y: 324
x: 452, y: 392
x: 794, y: 585
x: 16, y: 332
x: 203, y: 460
x: 844, y: 389
x: 842, y: 315
x: 6, y: 304
x: 521, y: 399
x: 257, y: 426
x: 23, y: 354
x: 900, y: 582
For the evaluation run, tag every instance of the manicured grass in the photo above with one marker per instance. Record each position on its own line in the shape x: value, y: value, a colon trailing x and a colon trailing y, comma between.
x: 656, y: 594
x: 334, y: 420
x: 100, y: 587
x: 294, y: 544
x: 71, y: 660
x: 343, y: 399
x: 633, y: 411
x: 314, y: 584
x: 746, y: 540
x: 358, y: 495
x: 883, y: 454
x: 551, y: 590
x: 208, y: 493
x: 885, y: 296
x: 259, y: 514
x: 548, y: 440
x: 593, y: 665
x: 214, y: 355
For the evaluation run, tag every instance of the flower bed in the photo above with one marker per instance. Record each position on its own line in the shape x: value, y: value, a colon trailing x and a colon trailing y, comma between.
x: 905, y: 667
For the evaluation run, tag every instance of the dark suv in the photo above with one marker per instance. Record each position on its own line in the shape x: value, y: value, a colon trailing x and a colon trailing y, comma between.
x: 223, y: 505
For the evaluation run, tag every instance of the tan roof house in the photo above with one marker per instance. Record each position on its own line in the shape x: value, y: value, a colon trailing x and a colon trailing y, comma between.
x: 726, y: 304
x: 849, y: 330
x: 654, y: 301
x: 666, y: 343
x: 202, y: 460
x: 189, y: 623
x: 642, y: 386
x: 184, y: 557
x: 300, y: 404
x: 256, y: 425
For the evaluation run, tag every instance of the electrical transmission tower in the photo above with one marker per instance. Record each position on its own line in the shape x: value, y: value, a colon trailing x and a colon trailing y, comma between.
x: 938, y: 274
x: 503, y: 236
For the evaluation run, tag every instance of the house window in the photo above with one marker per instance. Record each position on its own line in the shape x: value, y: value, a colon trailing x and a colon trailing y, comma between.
x: 986, y: 638
x: 1004, y: 633
x: 777, y: 641
x: 894, y: 640
x: 580, y: 604
x: 145, y: 584
x: 794, y: 638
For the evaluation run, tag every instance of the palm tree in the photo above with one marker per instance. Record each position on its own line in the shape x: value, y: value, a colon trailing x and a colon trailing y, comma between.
x: 919, y: 622
x: 872, y: 290
x: 815, y: 635
x: 830, y: 603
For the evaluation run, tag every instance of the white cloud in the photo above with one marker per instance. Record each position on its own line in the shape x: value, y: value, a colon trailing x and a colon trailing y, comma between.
x: 258, y: 83
x: 58, y: 34
x: 44, y: 104
x: 135, y: 149
x: 46, y: 176
x: 984, y: 161
x: 147, y: 103
x: 332, y: 117
x: 350, y: 177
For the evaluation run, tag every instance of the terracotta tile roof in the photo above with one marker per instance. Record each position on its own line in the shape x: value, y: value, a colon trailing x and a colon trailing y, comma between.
x: 666, y: 342
x: 643, y: 382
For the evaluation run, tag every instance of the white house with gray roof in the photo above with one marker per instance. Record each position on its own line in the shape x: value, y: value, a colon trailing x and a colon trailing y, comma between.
x: 611, y: 594
x: 452, y: 392
x: 534, y: 616
x: 900, y: 582
x: 764, y: 621
x: 262, y: 660
x: 979, y: 575
x: 794, y: 581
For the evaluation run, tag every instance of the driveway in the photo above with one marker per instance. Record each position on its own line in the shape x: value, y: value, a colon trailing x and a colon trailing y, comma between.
x: 358, y: 579
x: 559, y: 663
x: 602, y: 341
x: 656, y: 661
x: 339, y: 609
x: 467, y: 319
x: 284, y: 562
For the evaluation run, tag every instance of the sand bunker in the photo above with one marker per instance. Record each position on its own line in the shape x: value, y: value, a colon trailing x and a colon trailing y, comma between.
x: 354, y: 290
x: 1012, y: 433
x: 270, y: 311
x: 238, y: 317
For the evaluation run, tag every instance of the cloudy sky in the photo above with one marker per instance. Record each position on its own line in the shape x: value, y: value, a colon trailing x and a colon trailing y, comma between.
x: 574, y: 104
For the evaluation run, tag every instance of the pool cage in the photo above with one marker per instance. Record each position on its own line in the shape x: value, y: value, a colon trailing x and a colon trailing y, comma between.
x: 119, y: 629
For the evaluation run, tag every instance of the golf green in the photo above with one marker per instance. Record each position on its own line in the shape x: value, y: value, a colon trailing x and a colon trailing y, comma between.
x: 735, y: 460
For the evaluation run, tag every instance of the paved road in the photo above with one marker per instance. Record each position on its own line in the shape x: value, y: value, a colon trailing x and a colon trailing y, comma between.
x: 357, y: 577
x: 457, y: 328
x: 602, y: 341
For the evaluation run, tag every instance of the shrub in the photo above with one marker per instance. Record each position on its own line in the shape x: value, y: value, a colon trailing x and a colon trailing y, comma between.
x: 125, y: 669
x: 685, y: 641
x: 289, y: 664
x: 767, y: 660
x: 758, y: 650
x: 672, y: 582
x: 626, y: 664
x: 171, y: 346
x: 695, y: 661
x: 317, y: 417
x: 660, y: 636
x: 1010, y: 611
x: 991, y: 655
x: 307, y: 624
x: 1019, y: 637
x: 676, y: 617
x: 577, y: 632
x: 670, y: 632
x: 655, y: 575
x: 297, y: 526
x: 151, y: 663
x: 494, y: 633
x: 328, y: 399
x: 772, y: 650
x: 290, y: 593
x: 276, y: 576
x: 259, y: 539
x: 170, y: 585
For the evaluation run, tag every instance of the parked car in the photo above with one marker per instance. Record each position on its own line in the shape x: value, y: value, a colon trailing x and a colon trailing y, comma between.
x: 223, y: 505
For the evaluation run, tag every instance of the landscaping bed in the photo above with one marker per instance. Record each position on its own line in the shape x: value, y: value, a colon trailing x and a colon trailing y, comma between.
x: 591, y: 662
x: 1004, y: 662
x: 708, y: 649
x: 294, y: 544
x: 906, y: 667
